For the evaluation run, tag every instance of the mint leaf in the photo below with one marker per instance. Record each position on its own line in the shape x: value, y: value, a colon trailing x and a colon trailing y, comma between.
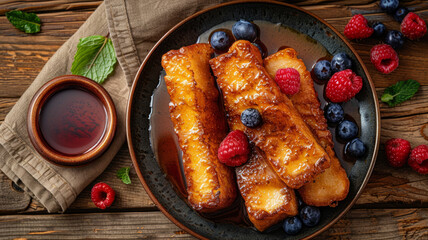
x: 95, y: 58
x: 123, y: 174
x: 26, y: 22
x: 400, y: 92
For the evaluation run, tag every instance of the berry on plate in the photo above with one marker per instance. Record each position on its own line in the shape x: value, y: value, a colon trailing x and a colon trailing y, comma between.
x: 347, y: 130
x: 263, y: 51
x: 102, y: 195
x: 357, y: 28
x: 355, y: 148
x: 397, y: 151
x: 251, y: 118
x: 234, y: 149
x: 343, y: 86
x: 288, y: 80
x: 340, y: 62
x: 334, y: 113
x: 384, y: 58
x: 220, y: 40
x: 395, y: 39
x: 292, y: 225
x: 322, y: 70
x: 418, y: 159
x: 244, y: 30
x: 379, y: 29
x: 389, y: 6
x: 310, y: 215
x: 413, y: 26
x: 400, y: 13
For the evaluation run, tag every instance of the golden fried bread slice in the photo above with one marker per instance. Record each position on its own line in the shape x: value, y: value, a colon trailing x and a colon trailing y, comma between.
x: 200, y: 126
x: 332, y: 185
x: 284, y: 138
x: 267, y: 199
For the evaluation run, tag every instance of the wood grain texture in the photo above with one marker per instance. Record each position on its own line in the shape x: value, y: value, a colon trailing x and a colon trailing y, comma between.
x: 11, y: 199
x: 357, y: 224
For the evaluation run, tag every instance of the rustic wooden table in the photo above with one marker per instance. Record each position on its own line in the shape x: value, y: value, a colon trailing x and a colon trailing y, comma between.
x: 392, y: 206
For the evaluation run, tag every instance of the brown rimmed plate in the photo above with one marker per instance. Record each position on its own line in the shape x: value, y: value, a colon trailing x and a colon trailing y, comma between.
x: 161, y: 190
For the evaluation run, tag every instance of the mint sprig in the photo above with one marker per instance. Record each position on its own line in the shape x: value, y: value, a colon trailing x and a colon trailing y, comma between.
x: 123, y: 174
x: 400, y: 92
x: 26, y: 22
x: 95, y: 58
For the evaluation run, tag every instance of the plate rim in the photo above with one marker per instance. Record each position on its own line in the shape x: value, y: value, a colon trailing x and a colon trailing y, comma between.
x: 137, y: 76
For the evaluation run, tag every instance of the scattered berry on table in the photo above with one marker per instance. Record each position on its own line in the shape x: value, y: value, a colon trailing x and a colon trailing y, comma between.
x: 322, y: 70
x: 389, y: 6
x: 384, y: 58
x: 397, y: 151
x: 251, y: 118
x: 358, y: 28
x: 355, y: 148
x: 418, y: 159
x: 400, y: 13
x: 334, y: 113
x: 263, y: 52
x: 288, y: 80
x: 102, y: 195
x: 292, y: 225
x: 413, y: 26
x: 343, y: 86
x: 220, y: 40
x: 379, y: 29
x: 244, y: 30
x: 310, y: 215
x: 341, y: 61
x: 347, y: 130
x: 395, y: 39
x: 234, y: 149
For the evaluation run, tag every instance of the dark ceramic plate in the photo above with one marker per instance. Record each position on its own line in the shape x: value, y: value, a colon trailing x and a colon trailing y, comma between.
x: 186, y: 33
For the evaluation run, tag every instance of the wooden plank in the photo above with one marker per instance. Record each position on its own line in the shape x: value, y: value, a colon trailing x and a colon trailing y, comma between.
x: 12, y: 198
x: 357, y: 224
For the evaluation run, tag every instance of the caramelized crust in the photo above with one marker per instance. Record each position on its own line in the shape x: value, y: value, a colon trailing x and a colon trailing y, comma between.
x: 267, y: 199
x: 284, y: 138
x: 200, y: 126
x: 332, y: 185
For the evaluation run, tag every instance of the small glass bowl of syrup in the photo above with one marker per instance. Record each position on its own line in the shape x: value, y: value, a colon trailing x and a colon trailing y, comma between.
x: 71, y: 120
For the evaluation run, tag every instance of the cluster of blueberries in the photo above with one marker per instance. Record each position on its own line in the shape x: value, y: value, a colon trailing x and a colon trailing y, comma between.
x: 308, y: 216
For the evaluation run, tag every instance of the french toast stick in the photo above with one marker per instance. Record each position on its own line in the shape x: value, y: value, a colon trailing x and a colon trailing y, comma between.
x: 267, y: 199
x: 284, y: 138
x: 332, y: 185
x: 200, y: 126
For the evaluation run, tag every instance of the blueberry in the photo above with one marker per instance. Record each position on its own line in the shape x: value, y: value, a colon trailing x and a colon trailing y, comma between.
x: 355, y: 148
x: 300, y: 203
x: 220, y: 41
x: 389, y: 6
x: 262, y: 51
x: 251, y: 118
x: 334, y: 113
x: 292, y: 225
x: 322, y: 70
x: 244, y: 30
x: 310, y: 215
x: 395, y: 39
x: 400, y: 14
x: 379, y: 29
x: 341, y: 61
x: 347, y: 130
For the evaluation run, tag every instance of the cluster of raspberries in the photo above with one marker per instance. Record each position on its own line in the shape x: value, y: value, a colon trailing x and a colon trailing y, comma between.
x: 383, y: 56
x: 399, y: 152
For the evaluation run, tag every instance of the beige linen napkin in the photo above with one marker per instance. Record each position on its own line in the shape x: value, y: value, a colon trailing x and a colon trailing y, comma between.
x: 134, y: 27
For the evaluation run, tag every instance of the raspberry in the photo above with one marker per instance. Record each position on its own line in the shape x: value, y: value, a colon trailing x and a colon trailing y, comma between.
x: 102, y: 195
x: 419, y: 159
x: 357, y: 28
x: 384, y: 58
x: 413, y: 26
x: 343, y: 85
x: 288, y: 80
x: 397, y: 151
x: 234, y: 149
